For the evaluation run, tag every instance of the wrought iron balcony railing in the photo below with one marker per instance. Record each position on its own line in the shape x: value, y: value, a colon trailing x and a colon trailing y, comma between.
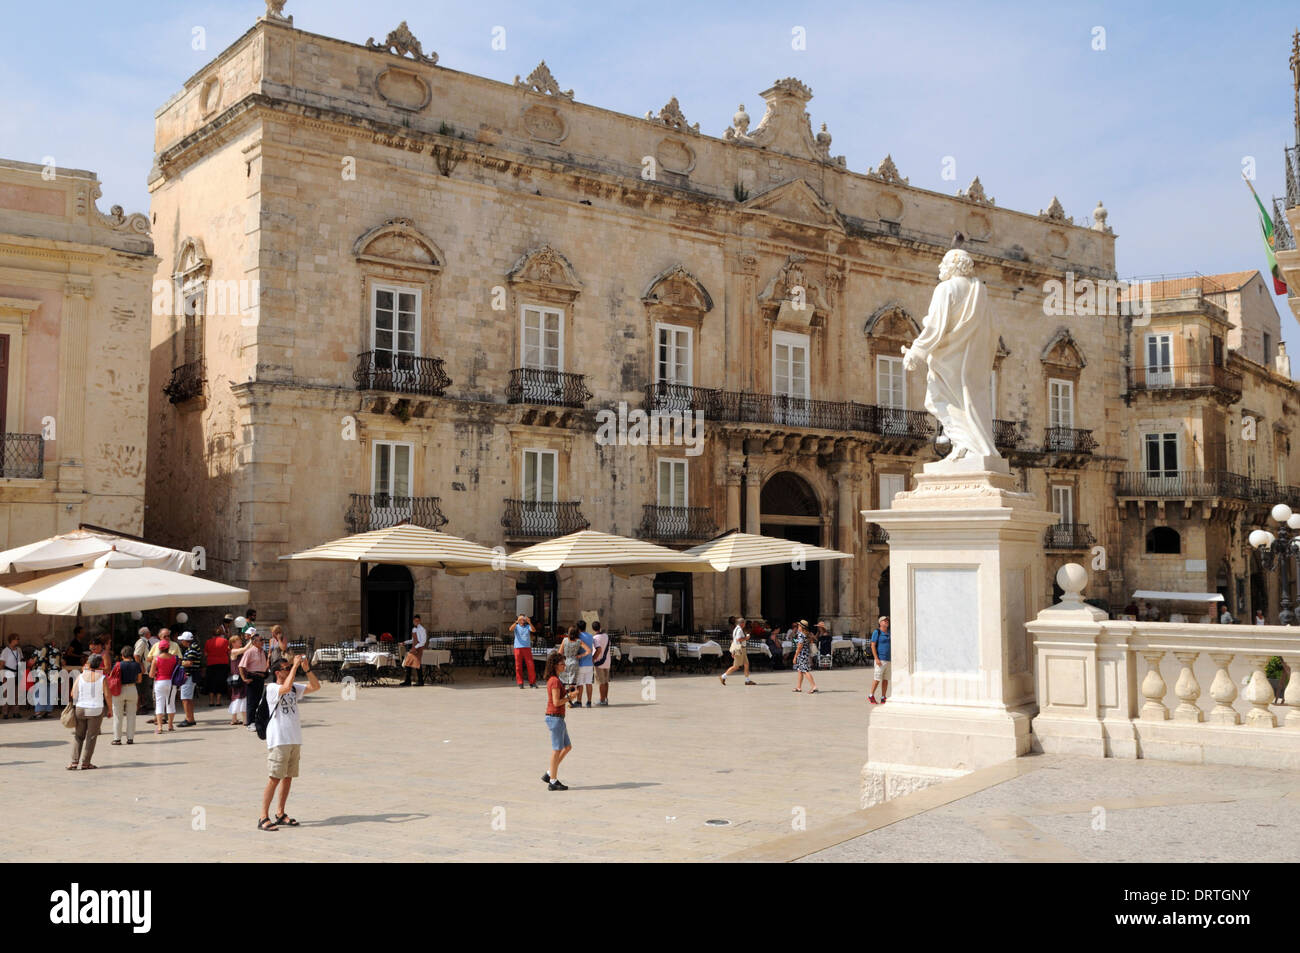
x: 22, y: 456
x: 1184, y: 377
x: 401, y: 373
x: 1184, y: 484
x: 368, y: 511
x: 1006, y: 434
x: 781, y: 409
x: 533, y: 385
x: 677, y: 522
x: 1068, y: 440
x: 536, y: 520
x: 1068, y: 536
x: 186, y: 382
x: 877, y: 535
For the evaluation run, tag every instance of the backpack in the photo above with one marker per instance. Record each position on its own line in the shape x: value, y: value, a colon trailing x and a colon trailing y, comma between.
x: 179, y: 673
x: 262, y: 717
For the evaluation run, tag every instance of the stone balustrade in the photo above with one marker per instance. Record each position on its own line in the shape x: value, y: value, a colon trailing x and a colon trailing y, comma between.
x: 1170, y: 691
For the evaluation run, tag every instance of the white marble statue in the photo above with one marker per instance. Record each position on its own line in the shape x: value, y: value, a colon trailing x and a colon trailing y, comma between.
x: 957, y: 343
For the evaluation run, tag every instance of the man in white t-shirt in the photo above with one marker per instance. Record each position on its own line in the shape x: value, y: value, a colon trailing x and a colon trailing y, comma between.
x: 283, y: 735
x: 739, y: 657
x: 601, y: 660
x: 419, y: 639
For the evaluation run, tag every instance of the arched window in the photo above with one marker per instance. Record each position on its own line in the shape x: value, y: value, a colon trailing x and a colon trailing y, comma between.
x: 1164, y: 540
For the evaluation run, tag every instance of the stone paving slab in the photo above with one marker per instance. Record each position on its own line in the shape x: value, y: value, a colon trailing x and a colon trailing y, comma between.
x: 421, y: 773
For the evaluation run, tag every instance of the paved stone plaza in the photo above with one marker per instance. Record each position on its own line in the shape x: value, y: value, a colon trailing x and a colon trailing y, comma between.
x: 421, y: 774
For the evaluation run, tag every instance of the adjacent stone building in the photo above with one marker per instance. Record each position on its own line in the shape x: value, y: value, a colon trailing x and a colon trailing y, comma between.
x: 406, y: 292
x: 74, y: 364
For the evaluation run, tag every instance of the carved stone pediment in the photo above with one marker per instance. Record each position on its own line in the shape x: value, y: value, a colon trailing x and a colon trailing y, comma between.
x: 547, y: 269
x: 540, y: 80
x: 192, y: 262
x: 975, y: 193
x: 797, y: 201
x: 891, y: 322
x: 678, y: 288
x: 398, y: 243
x: 1063, y: 351
x: 793, y: 296
x: 1055, y: 213
x: 402, y: 42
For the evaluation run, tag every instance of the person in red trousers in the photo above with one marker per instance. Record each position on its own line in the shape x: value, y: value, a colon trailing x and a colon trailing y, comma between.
x: 523, y: 630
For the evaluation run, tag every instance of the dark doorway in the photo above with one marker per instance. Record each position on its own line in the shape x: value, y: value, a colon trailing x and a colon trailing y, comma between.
x: 788, y: 509
x: 390, y: 602
x: 882, y: 595
x: 544, y: 587
x: 1258, y: 594
x: 678, y: 585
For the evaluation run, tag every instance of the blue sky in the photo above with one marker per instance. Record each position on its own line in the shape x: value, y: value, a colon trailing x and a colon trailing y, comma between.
x: 1156, y: 124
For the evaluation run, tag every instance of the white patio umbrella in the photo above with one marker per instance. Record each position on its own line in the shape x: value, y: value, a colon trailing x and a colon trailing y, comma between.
x: 622, y: 555
x: 15, y: 603
x: 83, y: 546
x: 409, y: 545
x: 118, y: 582
x: 736, y: 550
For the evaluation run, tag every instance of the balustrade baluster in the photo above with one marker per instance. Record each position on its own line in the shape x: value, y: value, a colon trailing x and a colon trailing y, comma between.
x: 1224, y: 692
x: 1292, y: 695
x: 1187, y: 689
x: 1260, y: 695
x: 1154, y: 688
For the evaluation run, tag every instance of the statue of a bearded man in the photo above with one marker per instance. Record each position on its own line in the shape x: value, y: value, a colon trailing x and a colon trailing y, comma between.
x: 958, y: 344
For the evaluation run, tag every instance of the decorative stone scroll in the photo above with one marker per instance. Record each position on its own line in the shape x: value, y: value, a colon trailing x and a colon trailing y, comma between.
x: 275, y: 11
x: 671, y: 116
x: 541, y: 81
x: 402, y: 42
x: 119, y: 221
x: 792, y: 296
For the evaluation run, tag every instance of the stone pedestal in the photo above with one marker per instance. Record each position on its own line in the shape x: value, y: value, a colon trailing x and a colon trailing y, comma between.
x: 966, y: 572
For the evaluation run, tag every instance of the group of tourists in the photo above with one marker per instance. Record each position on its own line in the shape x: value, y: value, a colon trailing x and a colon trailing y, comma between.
x: 586, y: 654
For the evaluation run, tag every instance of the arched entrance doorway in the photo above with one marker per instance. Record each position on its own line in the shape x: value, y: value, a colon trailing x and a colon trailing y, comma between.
x: 788, y: 509
x: 390, y: 601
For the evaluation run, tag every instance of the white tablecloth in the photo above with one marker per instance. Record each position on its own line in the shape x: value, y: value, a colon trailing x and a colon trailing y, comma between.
x: 433, y: 657
x: 377, y: 659
x: 697, y: 649
x: 755, y: 647
x: 838, y: 643
x: 658, y: 652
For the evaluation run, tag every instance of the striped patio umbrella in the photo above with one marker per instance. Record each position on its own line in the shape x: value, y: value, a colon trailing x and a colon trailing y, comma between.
x: 620, y: 554
x: 737, y: 550
x: 83, y: 546
x: 409, y: 545
x: 118, y: 582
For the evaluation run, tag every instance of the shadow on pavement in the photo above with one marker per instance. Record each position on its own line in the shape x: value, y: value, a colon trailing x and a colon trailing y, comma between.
x: 343, y: 819
x: 621, y: 786
x: 34, y: 744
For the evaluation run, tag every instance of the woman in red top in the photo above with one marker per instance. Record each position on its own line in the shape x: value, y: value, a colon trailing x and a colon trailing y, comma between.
x: 556, y: 694
x: 164, y: 692
x: 217, y: 652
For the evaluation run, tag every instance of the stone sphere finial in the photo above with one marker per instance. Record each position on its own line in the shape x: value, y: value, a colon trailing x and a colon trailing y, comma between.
x: 1072, y: 578
x: 740, y: 121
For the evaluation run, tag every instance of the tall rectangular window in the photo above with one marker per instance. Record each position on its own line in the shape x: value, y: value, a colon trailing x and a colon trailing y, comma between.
x: 539, y: 476
x: 1060, y: 400
x: 672, y: 354
x: 891, y: 484
x: 543, y: 338
x: 391, y: 473
x: 1160, y: 360
x: 891, y: 383
x: 790, y: 364
x: 394, y: 324
x: 672, y: 483
x: 1160, y: 454
x: 1268, y: 349
x: 1063, y: 503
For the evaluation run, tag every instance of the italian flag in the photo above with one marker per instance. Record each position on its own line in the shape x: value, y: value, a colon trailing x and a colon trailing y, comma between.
x: 1266, y: 225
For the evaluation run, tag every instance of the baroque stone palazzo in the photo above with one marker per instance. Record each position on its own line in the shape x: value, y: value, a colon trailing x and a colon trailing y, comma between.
x: 407, y: 292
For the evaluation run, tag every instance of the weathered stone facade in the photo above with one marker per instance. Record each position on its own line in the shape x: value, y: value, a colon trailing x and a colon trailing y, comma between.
x: 74, y: 322
x: 330, y: 177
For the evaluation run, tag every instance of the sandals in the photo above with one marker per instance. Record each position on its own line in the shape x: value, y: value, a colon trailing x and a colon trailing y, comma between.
x: 286, y: 820
x: 73, y: 766
x: 89, y: 767
x: 266, y: 824
x: 117, y: 742
x: 796, y: 690
x: 815, y: 691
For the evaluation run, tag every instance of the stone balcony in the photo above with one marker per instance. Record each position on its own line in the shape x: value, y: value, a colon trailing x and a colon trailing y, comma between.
x: 1179, y: 381
x: 670, y: 523
x: 367, y: 511
x: 532, y: 519
x: 22, y: 456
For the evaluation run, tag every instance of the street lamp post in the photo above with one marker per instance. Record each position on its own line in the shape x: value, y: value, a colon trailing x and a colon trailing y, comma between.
x: 1281, y: 550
